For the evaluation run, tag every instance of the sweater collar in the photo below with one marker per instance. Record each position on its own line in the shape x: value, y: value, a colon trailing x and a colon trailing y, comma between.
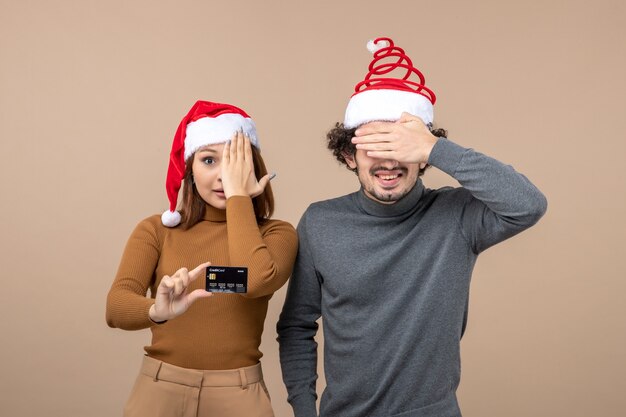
x: 213, y: 214
x: 406, y: 204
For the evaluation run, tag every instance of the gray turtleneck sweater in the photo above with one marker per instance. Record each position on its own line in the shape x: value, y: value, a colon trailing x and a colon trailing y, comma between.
x: 392, y: 283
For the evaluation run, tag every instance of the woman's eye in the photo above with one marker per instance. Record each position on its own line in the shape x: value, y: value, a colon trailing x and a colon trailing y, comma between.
x: 208, y: 161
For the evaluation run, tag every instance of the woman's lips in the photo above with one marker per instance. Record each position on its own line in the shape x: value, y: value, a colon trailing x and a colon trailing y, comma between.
x: 220, y: 193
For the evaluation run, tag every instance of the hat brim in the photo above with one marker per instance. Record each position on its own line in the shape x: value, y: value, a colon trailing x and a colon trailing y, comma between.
x: 386, y: 104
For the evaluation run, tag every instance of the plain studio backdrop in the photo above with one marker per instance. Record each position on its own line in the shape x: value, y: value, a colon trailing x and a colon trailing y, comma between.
x: 91, y: 93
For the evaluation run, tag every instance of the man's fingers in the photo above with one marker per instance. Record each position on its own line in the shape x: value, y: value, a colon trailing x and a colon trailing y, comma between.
x: 373, y: 138
x: 405, y: 117
x: 378, y: 146
x: 408, y: 117
x: 374, y: 127
x: 382, y: 154
x: 197, y: 271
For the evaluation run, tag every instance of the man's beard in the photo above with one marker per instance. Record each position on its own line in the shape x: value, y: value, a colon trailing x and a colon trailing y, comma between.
x: 388, y: 197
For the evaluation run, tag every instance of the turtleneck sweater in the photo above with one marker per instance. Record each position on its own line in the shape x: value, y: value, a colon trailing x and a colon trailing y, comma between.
x: 391, y: 283
x: 219, y: 332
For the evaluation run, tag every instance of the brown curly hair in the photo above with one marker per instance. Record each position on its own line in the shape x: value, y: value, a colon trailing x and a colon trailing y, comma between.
x: 339, y: 141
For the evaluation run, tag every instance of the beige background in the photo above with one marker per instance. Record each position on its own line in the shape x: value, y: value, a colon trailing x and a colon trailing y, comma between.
x: 91, y: 93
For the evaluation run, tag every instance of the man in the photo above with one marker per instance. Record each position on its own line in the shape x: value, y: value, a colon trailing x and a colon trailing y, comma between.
x: 389, y: 267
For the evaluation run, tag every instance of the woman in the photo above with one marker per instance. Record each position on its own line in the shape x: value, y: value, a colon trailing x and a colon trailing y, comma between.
x: 204, y: 355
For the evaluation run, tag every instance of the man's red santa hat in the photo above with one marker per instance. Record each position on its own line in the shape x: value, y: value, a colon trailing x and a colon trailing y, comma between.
x: 207, y: 123
x: 381, y: 96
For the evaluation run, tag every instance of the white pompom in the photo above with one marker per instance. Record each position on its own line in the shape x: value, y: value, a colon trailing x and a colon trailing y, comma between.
x: 170, y: 219
x: 373, y: 47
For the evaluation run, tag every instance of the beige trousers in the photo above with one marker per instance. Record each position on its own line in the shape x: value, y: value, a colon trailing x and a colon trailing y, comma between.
x: 164, y: 390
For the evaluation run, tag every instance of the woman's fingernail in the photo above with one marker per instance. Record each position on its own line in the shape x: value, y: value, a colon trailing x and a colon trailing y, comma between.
x: 272, y: 175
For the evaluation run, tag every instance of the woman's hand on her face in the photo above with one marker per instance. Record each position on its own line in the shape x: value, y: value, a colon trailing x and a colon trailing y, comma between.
x: 238, y: 176
x: 172, y: 299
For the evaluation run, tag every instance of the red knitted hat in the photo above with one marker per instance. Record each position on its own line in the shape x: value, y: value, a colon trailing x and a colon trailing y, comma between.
x: 383, y: 96
x: 207, y: 123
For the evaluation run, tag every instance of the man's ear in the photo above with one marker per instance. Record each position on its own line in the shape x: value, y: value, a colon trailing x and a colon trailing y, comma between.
x: 349, y: 158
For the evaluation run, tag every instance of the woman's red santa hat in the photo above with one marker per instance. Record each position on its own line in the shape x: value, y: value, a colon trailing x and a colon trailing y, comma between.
x: 207, y: 123
x: 380, y: 96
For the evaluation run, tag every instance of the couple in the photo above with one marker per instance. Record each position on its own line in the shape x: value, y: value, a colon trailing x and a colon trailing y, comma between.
x: 387, y: 267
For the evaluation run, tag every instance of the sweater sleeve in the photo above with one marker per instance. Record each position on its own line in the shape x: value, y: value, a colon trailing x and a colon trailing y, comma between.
x: 297, y: 328
x: 503, y: 202
x: 268, y: 252
x: 127, y: 304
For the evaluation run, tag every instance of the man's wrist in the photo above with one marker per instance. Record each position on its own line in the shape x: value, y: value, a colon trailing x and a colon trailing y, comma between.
x: 431, y: 142
x: 446, y: 156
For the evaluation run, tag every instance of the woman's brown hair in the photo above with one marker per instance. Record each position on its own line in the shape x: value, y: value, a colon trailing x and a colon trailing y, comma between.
x: 193, y: 206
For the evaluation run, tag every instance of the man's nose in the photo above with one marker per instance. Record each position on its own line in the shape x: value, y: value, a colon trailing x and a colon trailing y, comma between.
x: 390, y: 163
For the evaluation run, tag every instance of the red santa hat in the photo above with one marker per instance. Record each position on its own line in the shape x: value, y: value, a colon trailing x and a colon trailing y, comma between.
x: 380, y: 96
x: 207, y: 123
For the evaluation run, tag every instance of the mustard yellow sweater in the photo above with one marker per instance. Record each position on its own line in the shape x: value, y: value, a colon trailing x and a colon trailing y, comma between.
x: 219, y: 332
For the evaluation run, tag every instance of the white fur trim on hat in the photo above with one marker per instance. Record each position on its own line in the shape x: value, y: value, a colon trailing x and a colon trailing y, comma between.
x: 220, y: 129
x: 170, y: 218
x: 374, y: 47
x: 386, y: 104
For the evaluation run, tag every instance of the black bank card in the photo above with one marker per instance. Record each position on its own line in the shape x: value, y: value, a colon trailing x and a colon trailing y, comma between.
x: 227, y: 279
